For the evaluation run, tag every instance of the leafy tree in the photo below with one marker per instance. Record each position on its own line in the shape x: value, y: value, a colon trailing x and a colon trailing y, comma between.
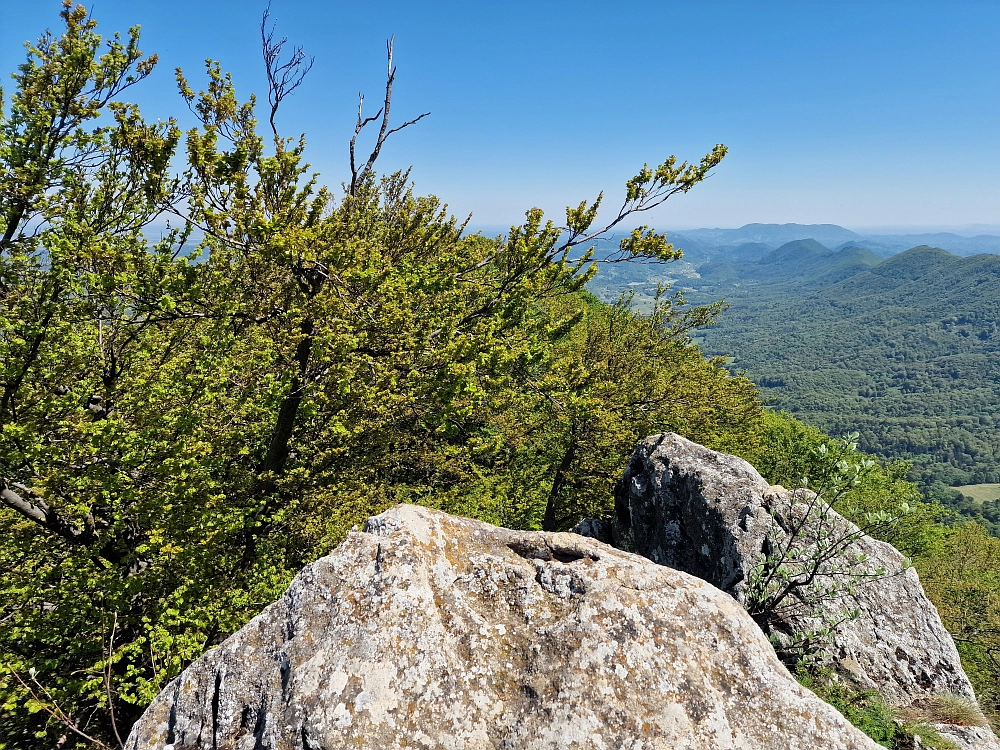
x: 785, y: 450
x: 961, y: 574
x: 813, y: 562
x: 182, y: 427
x: 613, y: 378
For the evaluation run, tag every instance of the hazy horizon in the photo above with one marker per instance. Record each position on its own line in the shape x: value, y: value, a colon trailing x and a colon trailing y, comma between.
x: 964, y: 230
x: 871, y: 115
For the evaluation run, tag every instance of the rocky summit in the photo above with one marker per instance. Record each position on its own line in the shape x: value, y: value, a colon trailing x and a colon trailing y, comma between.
x: 712, y: 515
x: 430, y: 631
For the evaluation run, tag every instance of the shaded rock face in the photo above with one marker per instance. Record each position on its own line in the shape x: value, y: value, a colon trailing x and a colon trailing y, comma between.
x: 430, y: 631
x: 690, y: 508
x: 710, y: 514
x: 968, y: 738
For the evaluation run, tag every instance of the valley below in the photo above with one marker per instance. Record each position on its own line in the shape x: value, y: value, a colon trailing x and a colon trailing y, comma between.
x: 902, y: 349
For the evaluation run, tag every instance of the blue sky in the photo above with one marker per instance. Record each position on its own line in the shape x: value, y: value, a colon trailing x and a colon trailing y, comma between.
x: 865, y: 114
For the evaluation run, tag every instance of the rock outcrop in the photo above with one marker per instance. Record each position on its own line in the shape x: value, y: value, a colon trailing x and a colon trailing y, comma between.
x: 711, y: 514
x: 430, y: 631
x: 968, y: 738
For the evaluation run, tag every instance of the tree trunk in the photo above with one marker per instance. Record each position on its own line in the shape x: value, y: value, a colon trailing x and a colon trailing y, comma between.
x: 551, y: 520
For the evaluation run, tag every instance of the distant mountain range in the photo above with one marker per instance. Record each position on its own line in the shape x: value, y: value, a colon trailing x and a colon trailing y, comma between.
x: 773, y: 234
x: 701, y: 245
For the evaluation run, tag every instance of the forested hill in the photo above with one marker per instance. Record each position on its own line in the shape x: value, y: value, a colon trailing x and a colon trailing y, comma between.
x: 904, y: 350
x: 801, y: 261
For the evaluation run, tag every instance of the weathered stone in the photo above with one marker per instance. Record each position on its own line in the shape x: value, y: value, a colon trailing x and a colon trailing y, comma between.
x: 968, y: 738
x: 693, y: 509
x: 711, y: 515
x: 430, y: 631
x: 595, y: 528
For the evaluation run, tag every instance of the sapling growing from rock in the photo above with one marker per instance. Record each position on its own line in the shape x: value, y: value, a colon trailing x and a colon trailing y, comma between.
x: 814, y: 560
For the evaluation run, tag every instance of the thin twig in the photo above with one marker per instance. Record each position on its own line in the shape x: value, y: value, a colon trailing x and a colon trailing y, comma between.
x: 107, y: 681
x: 58, y: 714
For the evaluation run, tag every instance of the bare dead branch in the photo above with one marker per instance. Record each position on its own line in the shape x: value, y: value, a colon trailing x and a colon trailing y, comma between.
x: 359, y: 176
x: 407, y: 124
x: 282, y: 77
x: 357, y: 130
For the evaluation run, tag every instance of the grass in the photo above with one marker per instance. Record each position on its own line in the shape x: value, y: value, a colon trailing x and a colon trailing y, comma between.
x: 928, y: 737
x: 944, y: 709
x: 981, y: 493
x: 888, y: 726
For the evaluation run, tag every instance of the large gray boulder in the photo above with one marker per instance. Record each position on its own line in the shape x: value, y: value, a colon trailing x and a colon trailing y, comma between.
x: 712, y: 515
x: 430, y: 631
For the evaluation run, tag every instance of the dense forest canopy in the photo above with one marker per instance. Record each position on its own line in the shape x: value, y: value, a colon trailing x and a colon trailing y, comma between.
x: 184, y: 424
x: 903, y: 350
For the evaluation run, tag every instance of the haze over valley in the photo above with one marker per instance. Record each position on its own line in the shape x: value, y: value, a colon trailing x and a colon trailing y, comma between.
x: 892, y: 336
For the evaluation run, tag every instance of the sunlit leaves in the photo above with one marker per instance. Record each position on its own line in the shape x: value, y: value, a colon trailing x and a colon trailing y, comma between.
x: 197, y: 423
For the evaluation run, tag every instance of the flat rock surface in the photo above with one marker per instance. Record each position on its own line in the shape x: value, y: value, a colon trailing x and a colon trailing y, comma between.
x: 968, y: 738
x: 430, y: 631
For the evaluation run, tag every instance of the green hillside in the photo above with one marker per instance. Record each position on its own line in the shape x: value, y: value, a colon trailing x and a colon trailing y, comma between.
x: 904, y: 351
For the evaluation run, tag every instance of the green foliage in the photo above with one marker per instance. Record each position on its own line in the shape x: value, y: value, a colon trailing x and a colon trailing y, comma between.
x: 961, y: 574
x: 785, y: 450
x: 646, y: 190
x: 978, y: 503
x: 866, y: 710
x: 813, y: 563
x: 181, y: 428
x: 614, y: 377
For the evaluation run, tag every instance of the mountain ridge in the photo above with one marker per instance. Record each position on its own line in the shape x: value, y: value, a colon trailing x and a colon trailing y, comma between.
x: 717, y: 241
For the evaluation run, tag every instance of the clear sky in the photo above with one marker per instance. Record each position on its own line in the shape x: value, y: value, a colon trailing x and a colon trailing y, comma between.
x: 864, y: 114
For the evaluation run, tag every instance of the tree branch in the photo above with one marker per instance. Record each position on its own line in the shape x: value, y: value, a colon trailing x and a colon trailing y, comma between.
x: 107, y: 682
x: 14, y: 494
x: 55, y: 712
x: 359, y: 176
x: 282, y: 77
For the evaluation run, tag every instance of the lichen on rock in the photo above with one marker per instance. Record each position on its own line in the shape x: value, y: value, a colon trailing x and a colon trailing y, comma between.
x: 712, y: 515
x: 431, y: 631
